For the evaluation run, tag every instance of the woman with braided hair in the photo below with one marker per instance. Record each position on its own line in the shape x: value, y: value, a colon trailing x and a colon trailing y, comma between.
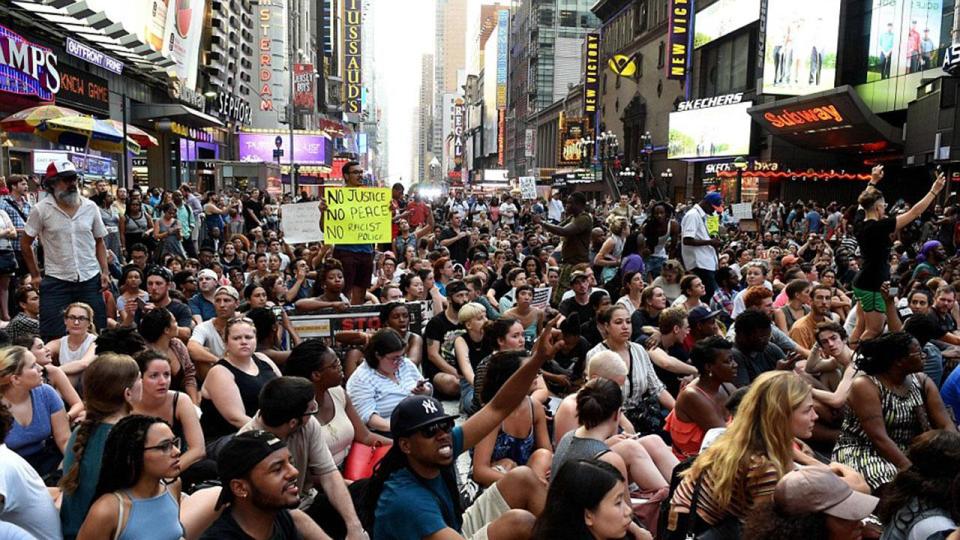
x: 112, y: 388
x: 132, y: 499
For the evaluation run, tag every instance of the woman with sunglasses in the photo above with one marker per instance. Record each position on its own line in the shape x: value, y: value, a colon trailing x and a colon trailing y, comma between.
x: 134, y: 501
x: 230, y: 394
x: 77, y: 349
x: 174, y: 408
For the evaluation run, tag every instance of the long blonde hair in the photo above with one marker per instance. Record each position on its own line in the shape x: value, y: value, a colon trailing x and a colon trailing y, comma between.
x: 760, y: 427
x: 12, y: 360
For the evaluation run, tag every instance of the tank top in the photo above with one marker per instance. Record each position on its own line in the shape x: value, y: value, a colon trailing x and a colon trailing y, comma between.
x: 68, y: 355
x: 517, y: 449
x: 788, y: 314
x: 213, y: 423
x: 687, y: 437
x: 136, y: 225
x: 338, y: 433
x: 660, y: 249
x: 156, y: 518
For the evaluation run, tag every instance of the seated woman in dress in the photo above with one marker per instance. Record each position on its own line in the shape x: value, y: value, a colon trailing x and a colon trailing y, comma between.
x: 74, y: 351
x: 230, y: 394
x: 341, y: 423
x: 41, y: 428
x: 701, y: 404
x: 891, y: 402
x: 521, y: 439
x: 384, y: 378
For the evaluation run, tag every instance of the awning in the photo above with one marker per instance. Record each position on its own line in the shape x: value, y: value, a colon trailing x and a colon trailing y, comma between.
x: 174, y: 111
x: 835, y: 120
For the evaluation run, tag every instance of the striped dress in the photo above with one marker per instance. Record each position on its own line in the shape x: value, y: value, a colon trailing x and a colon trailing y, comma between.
x: 900, y: 416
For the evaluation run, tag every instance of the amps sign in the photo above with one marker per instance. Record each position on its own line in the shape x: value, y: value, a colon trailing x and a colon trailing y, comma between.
x: 679, y: 38
x: 591, y: 84
x: 352, y: 19
x: 26, y: 68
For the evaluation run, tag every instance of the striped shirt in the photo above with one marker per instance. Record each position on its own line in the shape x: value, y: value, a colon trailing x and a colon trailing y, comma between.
x: 373, y: 392
x: 755, y: 481
x: 9, y: 205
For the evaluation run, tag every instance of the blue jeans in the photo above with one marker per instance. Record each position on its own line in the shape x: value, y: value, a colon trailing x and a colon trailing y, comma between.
x: 466, y: 397
x: 57, y: 294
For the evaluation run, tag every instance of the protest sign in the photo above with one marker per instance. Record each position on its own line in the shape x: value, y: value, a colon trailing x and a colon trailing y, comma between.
x: 357, y: 215
x: 541, y: 297
x: 528, y: 187
x: 743, y: 210
x: 300, y: 223
x: 326, y: 323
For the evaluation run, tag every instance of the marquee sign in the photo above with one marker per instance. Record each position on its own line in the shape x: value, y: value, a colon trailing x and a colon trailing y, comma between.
x: 591, y: 84
x: 804, y: 116
x: 27, y: 68
x: 678, y: 38
x: 352, y: 18
x: 265, y: 75
x: 458, y: 120
x: 718, y: 101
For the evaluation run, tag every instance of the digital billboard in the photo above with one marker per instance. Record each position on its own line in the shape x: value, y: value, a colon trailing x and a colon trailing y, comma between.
x: 258, y: 147
x: 904, y: 37
x: 694, y: 133
x: 722, y: 18
x: 800, y: 52
x: 572, y: 130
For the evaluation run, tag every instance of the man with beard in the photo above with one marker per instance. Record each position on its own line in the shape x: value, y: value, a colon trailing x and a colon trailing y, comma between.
x: 158, y: 288
x: 206, y: 344
x: 413, y: 492
x: 287, y: 410
x: 75, y: 257
x: 804, y: 331
x: 201, y: 305
x: 445, y: 379
x: 260, y: 485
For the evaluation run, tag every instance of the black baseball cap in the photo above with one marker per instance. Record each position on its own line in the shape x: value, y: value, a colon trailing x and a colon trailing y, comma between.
x: 701, y: 313
x: 456, y: 286
x: 415, y: 412
x: 240, y: 455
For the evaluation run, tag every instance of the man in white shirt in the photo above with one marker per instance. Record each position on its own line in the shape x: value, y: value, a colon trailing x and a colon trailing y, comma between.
x: 699, y: 249
x: 206, y: 345
x: 71, y: 231
x: 554, y: 208
x: 508, y: 212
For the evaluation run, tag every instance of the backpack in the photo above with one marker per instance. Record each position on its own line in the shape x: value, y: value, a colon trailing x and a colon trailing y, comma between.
x: 447, y: 350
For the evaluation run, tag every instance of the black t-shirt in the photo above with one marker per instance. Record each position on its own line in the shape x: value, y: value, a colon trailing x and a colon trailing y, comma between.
x: 571, y: 363
x: 227, y: 527
x: 591, y: 333
x: 875, y: 244
x: 437, y: 328
x: 639, y: 319
x: 180, y: 311
x: 946, y: 322
x: 672, y: 380
x: 249, y: 207
x: 500, y: 288
x: 584, y: 312
x: 458, y: 249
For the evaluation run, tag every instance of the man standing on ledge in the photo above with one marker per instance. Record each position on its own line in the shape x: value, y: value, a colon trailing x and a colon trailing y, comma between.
x: 575, y: 230
x: 75, y: 262
x: 357, y: 259
x: 699, y: 249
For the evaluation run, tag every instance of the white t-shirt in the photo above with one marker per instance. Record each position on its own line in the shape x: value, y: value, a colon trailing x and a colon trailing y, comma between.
x: 508, y: 212
x: 206, y: 334
x: 694, y: 225
x: 26, y: 502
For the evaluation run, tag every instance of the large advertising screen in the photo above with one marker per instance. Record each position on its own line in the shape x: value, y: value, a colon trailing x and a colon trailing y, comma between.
x: 801, y: 46
x: 694, y: 133
x: 904, y: 37
x: 259, y: 147
x: 722, y: 18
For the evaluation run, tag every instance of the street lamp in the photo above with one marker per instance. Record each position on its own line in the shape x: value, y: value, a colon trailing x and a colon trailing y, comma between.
x: 666, y: 180
x: 740, y: 163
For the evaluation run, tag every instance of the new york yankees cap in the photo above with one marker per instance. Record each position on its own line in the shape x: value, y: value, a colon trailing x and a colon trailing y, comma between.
x: 415, y: 412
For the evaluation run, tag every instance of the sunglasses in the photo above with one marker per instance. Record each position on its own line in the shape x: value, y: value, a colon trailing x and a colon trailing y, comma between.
x: 431, y: 430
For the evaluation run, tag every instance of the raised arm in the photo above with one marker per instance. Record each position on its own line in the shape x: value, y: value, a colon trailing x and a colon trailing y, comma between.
x: 921, y: 206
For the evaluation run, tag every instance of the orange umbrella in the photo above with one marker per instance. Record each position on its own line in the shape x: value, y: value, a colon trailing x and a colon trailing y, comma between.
x: 27, y: 120
x: 144, y: 139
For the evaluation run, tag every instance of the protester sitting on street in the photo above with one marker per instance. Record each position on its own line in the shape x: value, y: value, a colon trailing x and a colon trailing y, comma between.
x: 741, y: 468
x: 891, y: 402
x: 133, y: 499
x: 383, y: 380
x: 470, y: 348
x: 692, y: 293
x: 53, y: 376
x: 159, y: 330
x: 42, y: 427
x: 754, y: 275
x: 338, y: 418
x: 76, y: 350
x: 701, y: 404
x: 632, y: 291
x: 26, y: 501
x: 532, y: 318
x: 813, y: 502
x: 206, y: 345
x: 646, y: 319
x: 112, y: 387
x: 330, y: 278
x: 26, y: 323
x: 228, y: 398
x: 803, y: 331
x: 798, y: 305
x: 160, y: 400
x: 648, y: 461
x: 753, y: 351
x: 521, y: 439
x: 587, y: 499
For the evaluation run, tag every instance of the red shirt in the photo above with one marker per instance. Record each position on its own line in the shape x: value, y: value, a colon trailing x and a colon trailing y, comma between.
x: 418, y: 213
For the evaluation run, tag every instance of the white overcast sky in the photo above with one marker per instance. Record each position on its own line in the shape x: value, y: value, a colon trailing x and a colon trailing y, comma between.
x: 404, y: 32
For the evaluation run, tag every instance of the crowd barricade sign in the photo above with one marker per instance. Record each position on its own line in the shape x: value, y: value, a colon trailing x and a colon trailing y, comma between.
x: 327, y: 323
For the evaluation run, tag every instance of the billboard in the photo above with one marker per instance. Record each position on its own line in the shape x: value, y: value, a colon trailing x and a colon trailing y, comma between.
x: 678, y: 39
x: 28, y: 69
x: 503, y: 28
x: 303, y: 88
x: 801, y: 46
x: 591, y: 76
x: 722, y: 18
x: 353, y: 72
x: 694, y: 133
x: 258, y: 147
x: 904, y: 37
x: 571, y: 131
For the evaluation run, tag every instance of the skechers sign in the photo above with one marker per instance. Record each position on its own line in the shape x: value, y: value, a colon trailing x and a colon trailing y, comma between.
x: 95, y: 57
x: 705, y: 103
x: 26, y: 68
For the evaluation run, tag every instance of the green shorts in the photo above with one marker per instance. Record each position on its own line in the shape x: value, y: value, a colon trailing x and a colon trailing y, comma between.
x: 871, y: 301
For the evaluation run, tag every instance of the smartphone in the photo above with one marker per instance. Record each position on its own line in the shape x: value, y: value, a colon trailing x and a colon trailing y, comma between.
x: 277, y: 311
x: 894, y: 291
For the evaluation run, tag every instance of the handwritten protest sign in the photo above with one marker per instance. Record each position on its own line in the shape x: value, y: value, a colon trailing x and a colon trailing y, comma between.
x: 541, y: 297
x: 357, y: 215
x: 743, y: 210
x: 528, y: 187
x: 300, y: 223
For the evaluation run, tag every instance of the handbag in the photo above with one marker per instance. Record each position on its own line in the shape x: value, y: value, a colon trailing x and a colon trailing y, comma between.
x: 687, y: 526
x: 361, y: 460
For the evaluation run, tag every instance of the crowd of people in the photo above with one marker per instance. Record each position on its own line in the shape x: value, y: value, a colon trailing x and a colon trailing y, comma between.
x: 550, y: 368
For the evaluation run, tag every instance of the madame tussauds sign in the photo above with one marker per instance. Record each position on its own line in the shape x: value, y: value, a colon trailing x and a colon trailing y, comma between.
x: 26, y: 68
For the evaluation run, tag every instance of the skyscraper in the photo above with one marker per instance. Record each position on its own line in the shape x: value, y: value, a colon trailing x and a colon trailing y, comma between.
x: 450, y: 58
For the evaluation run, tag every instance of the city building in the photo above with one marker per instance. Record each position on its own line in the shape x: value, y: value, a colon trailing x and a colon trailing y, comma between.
x: 423, y: 144
x: 449, y: 63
